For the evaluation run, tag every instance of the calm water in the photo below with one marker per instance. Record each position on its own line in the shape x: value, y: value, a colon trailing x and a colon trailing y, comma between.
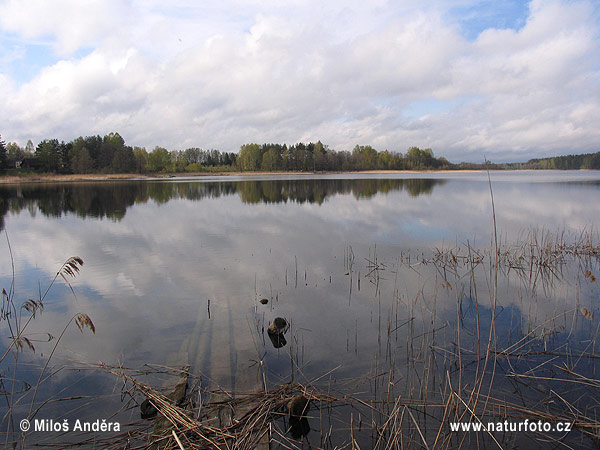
x: 174, y: 271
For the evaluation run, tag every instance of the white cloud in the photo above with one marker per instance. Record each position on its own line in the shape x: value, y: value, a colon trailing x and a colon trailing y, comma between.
x: 70, y: 24
x: 221, y: 75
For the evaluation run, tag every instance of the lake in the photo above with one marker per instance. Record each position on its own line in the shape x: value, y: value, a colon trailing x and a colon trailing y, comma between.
x: 388, y: 283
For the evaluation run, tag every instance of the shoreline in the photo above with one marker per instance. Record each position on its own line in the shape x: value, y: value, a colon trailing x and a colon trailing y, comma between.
x: 68, y: 178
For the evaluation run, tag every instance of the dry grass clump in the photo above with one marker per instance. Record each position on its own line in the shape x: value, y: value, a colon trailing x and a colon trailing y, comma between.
x: 264, y: 419
x: 222, y: 422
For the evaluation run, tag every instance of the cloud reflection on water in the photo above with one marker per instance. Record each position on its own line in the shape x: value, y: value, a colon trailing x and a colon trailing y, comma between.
x: 156, y: 252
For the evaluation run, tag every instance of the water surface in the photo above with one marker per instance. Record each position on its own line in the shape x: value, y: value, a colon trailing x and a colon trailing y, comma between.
x: 174, y: 271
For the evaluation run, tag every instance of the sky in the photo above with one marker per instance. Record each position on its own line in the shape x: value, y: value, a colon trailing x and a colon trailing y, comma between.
x: 505, y: 80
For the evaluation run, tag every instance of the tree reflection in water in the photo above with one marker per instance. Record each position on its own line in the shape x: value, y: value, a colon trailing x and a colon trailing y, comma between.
x: 112, y: 199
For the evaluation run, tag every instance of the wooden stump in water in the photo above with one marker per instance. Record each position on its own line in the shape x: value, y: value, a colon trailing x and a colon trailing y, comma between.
x: 276, y: 332
x: 278, y: 326
x: 298, y: 406
x: 162, y: 425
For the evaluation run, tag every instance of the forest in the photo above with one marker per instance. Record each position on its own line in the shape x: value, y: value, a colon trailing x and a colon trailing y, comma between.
x: 110, y: 154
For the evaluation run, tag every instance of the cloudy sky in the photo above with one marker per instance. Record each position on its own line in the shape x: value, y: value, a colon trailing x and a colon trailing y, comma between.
x: 509, y: 79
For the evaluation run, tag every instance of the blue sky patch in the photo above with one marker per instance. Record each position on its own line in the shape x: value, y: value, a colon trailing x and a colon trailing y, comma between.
x: 503, y: 14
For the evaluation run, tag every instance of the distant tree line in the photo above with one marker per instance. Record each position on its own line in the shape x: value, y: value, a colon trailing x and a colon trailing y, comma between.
x: 110, y: 154
x: 568, y: 162
x: 317, y: 157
